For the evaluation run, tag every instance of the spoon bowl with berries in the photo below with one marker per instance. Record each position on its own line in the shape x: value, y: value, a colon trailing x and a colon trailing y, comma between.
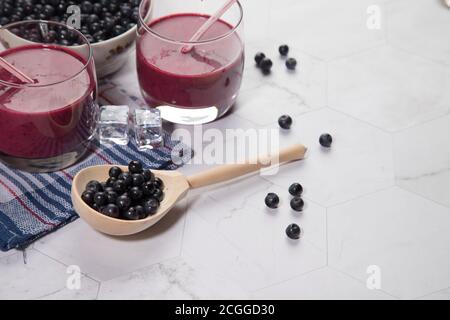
x: 124, y: 200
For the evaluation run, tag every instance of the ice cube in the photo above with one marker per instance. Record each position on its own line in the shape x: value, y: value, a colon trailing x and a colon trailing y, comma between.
x: 148, y: 128
x: 113, y: 125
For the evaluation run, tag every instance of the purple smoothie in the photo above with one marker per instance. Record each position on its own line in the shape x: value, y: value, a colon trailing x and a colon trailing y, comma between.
x: 209, y: 75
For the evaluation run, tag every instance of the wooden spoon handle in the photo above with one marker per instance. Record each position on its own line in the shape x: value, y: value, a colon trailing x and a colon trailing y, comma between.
x: 231, y: 171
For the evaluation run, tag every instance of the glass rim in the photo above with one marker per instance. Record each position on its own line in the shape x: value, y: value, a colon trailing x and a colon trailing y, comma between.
x: 6, y: 27
x: 147, y: 28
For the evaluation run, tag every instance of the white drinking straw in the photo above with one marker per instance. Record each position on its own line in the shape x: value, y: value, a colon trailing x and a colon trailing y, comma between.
x: 216, y: 16
x: 14, y: 71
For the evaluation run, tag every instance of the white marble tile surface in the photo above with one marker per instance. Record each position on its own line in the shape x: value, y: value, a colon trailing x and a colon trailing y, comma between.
x: 422, y: 159
x: 103, y: 257
x: 174, y: 279
x: 420, y: 27
x: 406, y: 236
x: 389, y: 88
x: 40, y: 277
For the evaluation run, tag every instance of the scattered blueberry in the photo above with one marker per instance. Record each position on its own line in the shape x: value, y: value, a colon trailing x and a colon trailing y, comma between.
x: 285, y: 122
x: 272, y: 200
x: 111, y: 210
x: 266, y: 65
x: 291, y: 63
x: 296, y: 189
x: 297, y: 204
x: 293, y: 231
x: 259, y: 57
x: 325, y: 140
x: 284, y: 50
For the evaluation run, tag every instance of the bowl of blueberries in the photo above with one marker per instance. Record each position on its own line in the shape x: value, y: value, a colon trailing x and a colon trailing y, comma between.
x: 109, y: 25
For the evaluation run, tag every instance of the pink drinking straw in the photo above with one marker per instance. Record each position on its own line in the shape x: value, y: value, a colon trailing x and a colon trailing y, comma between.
x: 14, y: 71
x: 208, y: 24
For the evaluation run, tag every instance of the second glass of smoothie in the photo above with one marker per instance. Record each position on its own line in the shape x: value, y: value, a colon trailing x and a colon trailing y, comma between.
x: 198, y: 86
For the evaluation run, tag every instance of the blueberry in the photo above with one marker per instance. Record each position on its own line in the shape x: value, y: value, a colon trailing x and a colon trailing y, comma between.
x: 126, y: 178
x: 120, y: 186
x: 151, y: 206
x: 291, y: 63
x: 131, y: 214
x: 325, y: 140
x: 148, y: 188
x: 297, y: 204
x: 140, y: 211
x: 110, y: 182
x: 92, y: 18
x: 272, y: 200
x: 138, y: 179
x: 296, y: 189
x: 158, y: 195
x: 95, y: 27
x: 118, y: 30
x: 97, y: 8
x: 94, y: 185
x: 100, y: 198
x: 111, y: 210
x: 293, y: 231
x: 96, y: 207
x: 285, y: 122
x: 88, y: 197
x: 99, y: 36
x: 111, y: 196
x: 158, y: 183
x: 135, y: 166
x: 266, y: 65
x: 284, y: 50
x: 123, y: 202
x: 148, y: 175
x: 258, y: 58
x: 135, y: 193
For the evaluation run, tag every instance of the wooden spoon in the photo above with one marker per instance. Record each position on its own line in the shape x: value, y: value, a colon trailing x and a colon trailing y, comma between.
x: 176, y: 185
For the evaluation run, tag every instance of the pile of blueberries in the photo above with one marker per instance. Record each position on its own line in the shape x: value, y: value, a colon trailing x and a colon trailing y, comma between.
x: 100, y: 19
x: 272, y: 201
x: 131, y: 195
x: 265, y: 64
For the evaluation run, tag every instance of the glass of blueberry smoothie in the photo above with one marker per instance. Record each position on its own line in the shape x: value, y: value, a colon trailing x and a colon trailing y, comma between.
x: 189, y: 86
x: 47, y: 124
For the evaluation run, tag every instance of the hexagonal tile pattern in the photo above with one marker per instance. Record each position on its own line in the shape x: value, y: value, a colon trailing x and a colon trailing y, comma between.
x: 404, y: 235
x: 174, y: 279
x: 40, y: 277
x: 359, y: 161
x: 103, y: 257
x: 389, y: 88
x: 323, y: 284
x: 422, y: 159
x: 259, y: 233
x: 419, y: 27
x: 325, y: 28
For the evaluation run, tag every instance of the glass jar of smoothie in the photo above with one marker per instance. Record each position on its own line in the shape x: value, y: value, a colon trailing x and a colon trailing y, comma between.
x: 46, y: 125
x: 189, y: 86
